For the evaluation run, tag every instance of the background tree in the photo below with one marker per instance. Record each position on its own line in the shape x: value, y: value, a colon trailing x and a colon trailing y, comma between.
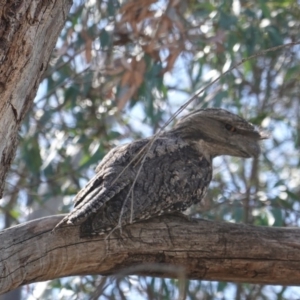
x: 119, y: 71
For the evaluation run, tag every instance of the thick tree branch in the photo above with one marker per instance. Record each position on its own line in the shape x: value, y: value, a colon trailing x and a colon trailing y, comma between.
x: 206, y: 250
x: 28, y: 33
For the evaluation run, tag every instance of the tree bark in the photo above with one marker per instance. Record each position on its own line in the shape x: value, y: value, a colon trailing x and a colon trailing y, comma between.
x: 169, y: 246
x: 28, y: 33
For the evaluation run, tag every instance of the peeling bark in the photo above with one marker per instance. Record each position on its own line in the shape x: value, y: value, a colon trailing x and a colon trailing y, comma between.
x: 28, y: 33
x: 31, y: 252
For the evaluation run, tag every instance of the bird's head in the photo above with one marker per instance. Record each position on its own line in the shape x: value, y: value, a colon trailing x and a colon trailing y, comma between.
x: 219, y: 132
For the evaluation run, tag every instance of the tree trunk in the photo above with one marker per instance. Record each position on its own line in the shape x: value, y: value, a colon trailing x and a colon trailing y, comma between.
x: 169, y: 246
x: 28, y: 33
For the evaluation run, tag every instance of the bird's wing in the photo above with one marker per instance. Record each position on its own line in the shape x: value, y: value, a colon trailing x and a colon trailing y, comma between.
x: 174, y: 175
x: 113, y: 174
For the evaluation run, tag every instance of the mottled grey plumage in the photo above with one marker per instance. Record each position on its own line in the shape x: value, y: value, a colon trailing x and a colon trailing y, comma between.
x: 175, y: 172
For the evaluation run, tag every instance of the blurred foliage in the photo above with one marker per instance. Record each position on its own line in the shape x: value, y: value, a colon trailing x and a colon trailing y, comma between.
x: 119, y: 71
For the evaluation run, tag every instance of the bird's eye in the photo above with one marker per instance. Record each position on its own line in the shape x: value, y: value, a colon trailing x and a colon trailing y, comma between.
x: 230, y: 128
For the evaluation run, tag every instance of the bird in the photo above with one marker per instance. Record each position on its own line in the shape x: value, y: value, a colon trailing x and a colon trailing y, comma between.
x: 161, y: 174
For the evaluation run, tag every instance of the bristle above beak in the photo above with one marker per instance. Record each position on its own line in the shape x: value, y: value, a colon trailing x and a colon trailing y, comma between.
x: 263, y: 134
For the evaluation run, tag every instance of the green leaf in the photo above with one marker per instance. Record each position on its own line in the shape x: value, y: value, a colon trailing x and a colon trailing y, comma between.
x: 14, y: 213
x: 221, y: 286
x: 259, y: 118
x: 112, y: 5
x: 219, y: 97
x: 31, y: 154
x: 265, y: 9
x: 104, y: 39
x: 71, y: 93
x: 292, y: 73
x: 277, y: 213
x: 274, y: 35
x: 226, y: 20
